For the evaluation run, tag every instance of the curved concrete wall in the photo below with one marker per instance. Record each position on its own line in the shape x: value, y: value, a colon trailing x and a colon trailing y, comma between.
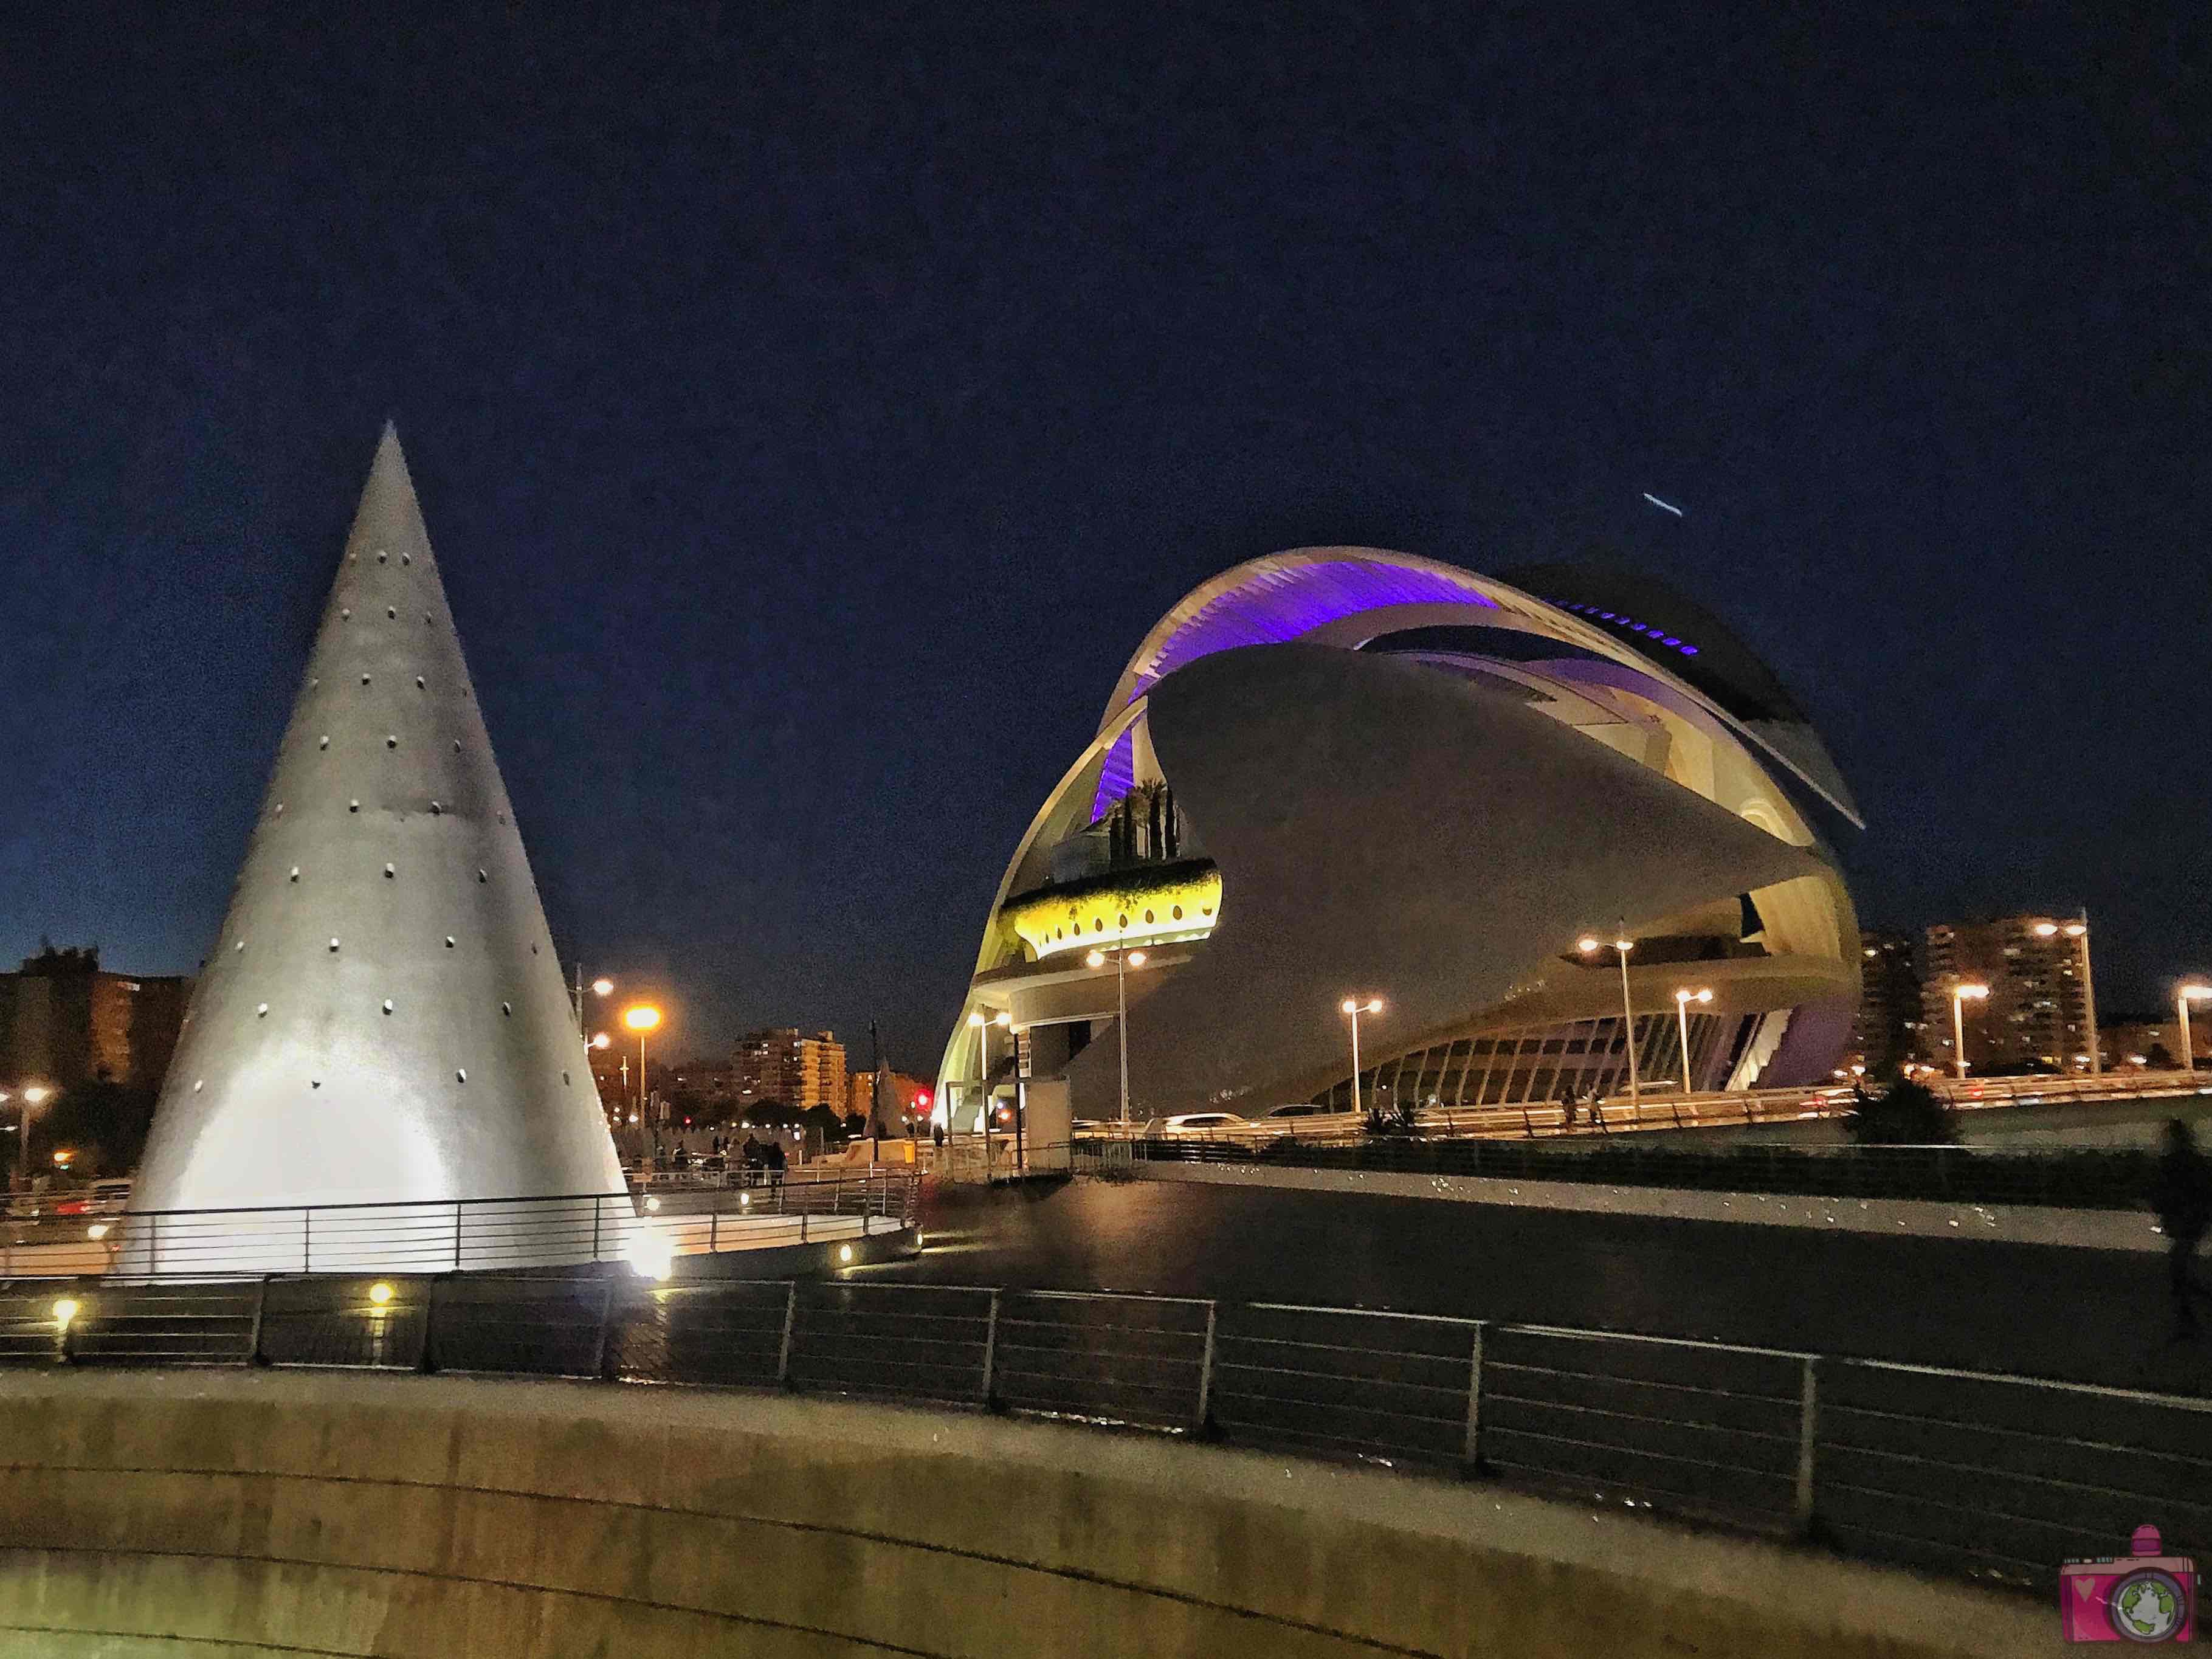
x: 240, y: 1513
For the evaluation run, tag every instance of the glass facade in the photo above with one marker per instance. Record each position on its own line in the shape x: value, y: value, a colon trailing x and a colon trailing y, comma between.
x: 1515, y: 1068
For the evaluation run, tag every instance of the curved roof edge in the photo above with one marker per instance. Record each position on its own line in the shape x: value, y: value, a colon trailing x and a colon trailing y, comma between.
x: 1280, y: 597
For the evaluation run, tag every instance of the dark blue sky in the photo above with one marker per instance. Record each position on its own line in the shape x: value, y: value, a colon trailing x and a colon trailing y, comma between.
x: 813, y: 406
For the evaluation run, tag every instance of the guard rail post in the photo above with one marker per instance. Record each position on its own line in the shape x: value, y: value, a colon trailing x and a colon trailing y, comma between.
x: 1808, y: 1423
x: 1473, y: 1455
x: 457, y: 1234
x: 990, y: 1350
x: 426, y: 1357
x: 1205, y: 1371
x: 307, y: 1241
x: 603, y: 1354
x: 254, y: 1354
x: 790, y: 1318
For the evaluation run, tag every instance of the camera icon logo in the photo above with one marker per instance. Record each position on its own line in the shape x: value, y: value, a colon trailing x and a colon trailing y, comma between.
x: 2143, y: 1596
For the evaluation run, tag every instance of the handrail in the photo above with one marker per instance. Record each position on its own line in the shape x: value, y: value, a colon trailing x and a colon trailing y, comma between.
x: 485, y: 1233
x: 1868, y: 1457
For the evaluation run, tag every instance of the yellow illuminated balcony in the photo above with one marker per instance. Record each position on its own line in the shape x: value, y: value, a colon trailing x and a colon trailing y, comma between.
x: 1136, y: 904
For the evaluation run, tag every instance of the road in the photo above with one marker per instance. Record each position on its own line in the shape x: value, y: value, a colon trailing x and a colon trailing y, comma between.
x: 2085, y: 1315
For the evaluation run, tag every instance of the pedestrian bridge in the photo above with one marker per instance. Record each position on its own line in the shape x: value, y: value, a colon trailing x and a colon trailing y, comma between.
x: 247, y: 1511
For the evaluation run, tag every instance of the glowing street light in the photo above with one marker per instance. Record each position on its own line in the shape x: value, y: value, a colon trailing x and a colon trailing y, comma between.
x: 1124, y: 961
x: 1589, y: 944
x: 1683, y: 999
x: 2182, y: 998
x: 2079, y: 932
x: 602, y: 1041
x: 602, y: 987
x: 35, y: 1094
x: 982, y: 1028
x: 1354, y: 1007
x: 1960, y: 996
x: 641, y: 1018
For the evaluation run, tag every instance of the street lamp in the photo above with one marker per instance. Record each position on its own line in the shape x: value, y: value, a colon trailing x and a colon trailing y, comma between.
x: 1589, y: 944
x: 1683, y: 999
x: 600, y: 986
x: 2182, y: 999
x: 1961, y: 995
x: 982, y: 1070
x: 2079, y: 932
x: 641, y: 1019
x: 1354, y: 1007
x: 1123, y: 960
x: 36, y: 1094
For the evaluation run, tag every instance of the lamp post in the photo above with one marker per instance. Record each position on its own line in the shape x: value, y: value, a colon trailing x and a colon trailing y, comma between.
x: 601, y: 987
x: 31, y: 1095
x: 2182, y: 999
x: 1354, y: 1007
x: 1589, y: 944
x: 982, y: 1027
x: 1124, y: 961
x: 641, y: 1019
x: 1683, y: 999
x: 2079, y: 932
x: 1961, y: 995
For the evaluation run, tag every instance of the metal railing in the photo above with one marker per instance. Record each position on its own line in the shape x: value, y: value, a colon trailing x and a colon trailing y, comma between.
x: 2072, y: 1178
x: 1660, y: 1108
x: 1986, y: 1475
x: 469, y: 1235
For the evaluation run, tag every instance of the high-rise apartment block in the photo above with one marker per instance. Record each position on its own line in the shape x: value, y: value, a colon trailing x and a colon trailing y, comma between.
x: 1887, y: 1033
x: 783, y: 1065
x: 63, y: 1021
x: 2037, y: 1012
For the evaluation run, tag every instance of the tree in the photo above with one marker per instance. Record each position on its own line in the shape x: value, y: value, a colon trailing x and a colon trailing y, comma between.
x: 1907, y: 1114
x: 824, y: 1121
x: 101, y: 1124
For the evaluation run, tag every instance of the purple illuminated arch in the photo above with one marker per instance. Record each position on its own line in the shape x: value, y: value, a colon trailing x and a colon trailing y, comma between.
x: 1272, y: 603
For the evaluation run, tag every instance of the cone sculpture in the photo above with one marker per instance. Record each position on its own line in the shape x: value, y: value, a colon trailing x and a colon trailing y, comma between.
x: 383, y: 1021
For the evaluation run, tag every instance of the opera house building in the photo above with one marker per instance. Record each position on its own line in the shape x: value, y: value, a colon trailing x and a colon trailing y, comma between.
x: 1341, y: 773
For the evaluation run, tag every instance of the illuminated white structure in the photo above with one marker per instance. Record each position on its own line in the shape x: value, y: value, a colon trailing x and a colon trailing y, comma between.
x: 382, y: 1020
x: 1343, y: 771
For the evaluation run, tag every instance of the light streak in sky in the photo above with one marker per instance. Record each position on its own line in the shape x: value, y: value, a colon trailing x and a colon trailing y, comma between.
x: 1669, y: 506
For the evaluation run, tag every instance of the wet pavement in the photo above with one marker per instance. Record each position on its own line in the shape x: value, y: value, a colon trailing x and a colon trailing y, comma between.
x: 2084, y: 1316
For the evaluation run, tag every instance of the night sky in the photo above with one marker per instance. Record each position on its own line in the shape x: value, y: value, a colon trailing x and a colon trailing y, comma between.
x: 813, y: 406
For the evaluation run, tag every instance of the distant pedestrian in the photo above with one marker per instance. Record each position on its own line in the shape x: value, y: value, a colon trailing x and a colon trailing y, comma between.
x: 1567, y: 1104
x: 937, y: 1134
x: 2182, y: 1194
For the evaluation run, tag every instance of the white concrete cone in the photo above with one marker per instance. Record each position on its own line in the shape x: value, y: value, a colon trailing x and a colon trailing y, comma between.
x: 382, y: 1022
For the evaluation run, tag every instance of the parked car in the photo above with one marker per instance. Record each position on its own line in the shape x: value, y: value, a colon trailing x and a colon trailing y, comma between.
x: 1193, y: 1126
x: 1297, y: 1109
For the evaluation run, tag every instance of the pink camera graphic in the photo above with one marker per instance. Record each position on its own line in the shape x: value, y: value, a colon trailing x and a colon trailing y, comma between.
x: 2143, y: 1596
